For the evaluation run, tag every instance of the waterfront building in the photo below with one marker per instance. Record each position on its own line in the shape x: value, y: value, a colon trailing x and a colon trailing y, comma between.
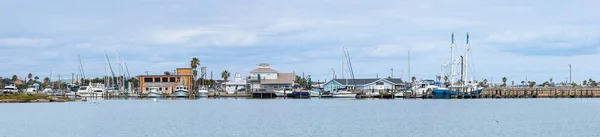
x: 236, y: 84
x: 166, y: 83
x: 365, y: 84
x: 269, y: 79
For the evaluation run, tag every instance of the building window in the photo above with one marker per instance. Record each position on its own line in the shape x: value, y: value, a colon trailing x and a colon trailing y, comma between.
x: 275, y: 86
x: 167, y: 88
x: 156, y: 79
x: 147, y: 79
x: 164, y: 80
x: 160, y: 88
x: 379, y: 83
x: 171, y: 79
x: 146, y: 89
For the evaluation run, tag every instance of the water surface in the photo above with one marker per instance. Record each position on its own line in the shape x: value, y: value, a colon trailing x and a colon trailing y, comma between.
x: 303, y: 117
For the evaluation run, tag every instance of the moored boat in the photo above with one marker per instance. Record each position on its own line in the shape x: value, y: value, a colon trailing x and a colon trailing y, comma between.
x: 181, y: 91
x: 154, y: 93
x: 344, y: 94
x: 203, y: 92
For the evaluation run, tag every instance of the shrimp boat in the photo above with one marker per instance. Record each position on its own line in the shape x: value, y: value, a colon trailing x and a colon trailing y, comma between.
x: 181, y: 91
x: 154, y: 93
x: 465, y: 86
x: 203, y: 92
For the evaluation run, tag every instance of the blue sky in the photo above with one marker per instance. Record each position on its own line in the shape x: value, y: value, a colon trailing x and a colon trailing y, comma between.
x: 512, y: 38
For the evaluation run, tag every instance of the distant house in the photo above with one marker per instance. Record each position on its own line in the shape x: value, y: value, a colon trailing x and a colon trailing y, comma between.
x: 236, y: 84
x: 365, y: 84
x: 269, y: 79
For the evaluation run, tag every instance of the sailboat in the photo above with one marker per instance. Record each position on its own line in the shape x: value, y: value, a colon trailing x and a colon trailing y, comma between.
x: 345, y: 92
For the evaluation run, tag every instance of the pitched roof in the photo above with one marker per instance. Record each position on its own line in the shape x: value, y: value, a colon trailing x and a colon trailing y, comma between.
x: 395, y: 80
x: 358, y: 81
x: 282, y: 78
x: 366, y: 81
x: 263, y: 70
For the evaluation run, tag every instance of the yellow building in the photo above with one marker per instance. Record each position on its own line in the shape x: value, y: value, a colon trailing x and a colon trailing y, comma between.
x: 167, y: 83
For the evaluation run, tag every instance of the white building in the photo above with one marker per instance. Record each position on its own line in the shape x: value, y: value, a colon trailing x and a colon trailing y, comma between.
x: 269, y: 79
x: 236, y: 84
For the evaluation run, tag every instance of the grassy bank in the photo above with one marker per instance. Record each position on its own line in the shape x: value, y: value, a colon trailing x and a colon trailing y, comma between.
x: 26, y: 98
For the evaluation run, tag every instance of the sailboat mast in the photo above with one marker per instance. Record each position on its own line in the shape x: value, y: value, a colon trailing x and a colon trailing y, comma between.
x: 343, y: 60
x: 466, y: 60
x: 452, y: 61
x: 111, y: 70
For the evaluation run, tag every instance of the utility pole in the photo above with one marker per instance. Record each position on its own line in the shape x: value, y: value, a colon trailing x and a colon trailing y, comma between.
x: 570, y: 78
x: 146, y: 72
x: 409, y: 65
x: 392, y: 76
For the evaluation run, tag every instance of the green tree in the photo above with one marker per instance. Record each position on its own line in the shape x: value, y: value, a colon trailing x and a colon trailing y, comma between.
x: 194, y: 63
x: 167, y: 73
x: 36, y: 78
x: 550, y: 80
x: 585, y: 82
x: 439, y: 78
x: 531, y: 83
x: 414, y: 79
x: 46, y: 82
x: 29, y: 76
x: 504, y: 79
x: 135, y: 82
x: 225, y: 75
x: 522, y: 82
x: 14, y: 77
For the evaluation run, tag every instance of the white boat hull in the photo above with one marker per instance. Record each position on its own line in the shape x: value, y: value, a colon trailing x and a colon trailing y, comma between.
x: 399, y: 94
x: 344, y: 95
x: 154, y: 95
x: 281, y: 93
x: 181, y: 94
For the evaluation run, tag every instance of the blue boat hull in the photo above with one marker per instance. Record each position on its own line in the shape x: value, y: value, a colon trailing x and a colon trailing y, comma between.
x: 447, y: 93
x: 300, y: 94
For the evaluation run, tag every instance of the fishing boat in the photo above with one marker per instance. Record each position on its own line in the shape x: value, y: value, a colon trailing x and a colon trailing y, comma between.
x: 203, y: 92
x: 154, y: 93
x: 464, y: 86
x: 181, y: 91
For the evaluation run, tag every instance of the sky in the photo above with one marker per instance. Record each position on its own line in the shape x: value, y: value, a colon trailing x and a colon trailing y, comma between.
x: 533, y: 39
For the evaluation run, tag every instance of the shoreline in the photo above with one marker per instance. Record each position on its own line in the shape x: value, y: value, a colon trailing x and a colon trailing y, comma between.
x: 33, y: 98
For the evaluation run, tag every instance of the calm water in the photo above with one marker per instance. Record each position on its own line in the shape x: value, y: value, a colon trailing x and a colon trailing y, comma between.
x: 303, y: 117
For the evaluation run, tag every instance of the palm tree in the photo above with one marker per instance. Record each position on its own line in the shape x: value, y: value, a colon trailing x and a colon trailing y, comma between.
x: 550, y: 80
x: 46, y: 81
x: 194, y: 63
x: 584, y: 82
x: 225, y: 75
x: 414, y: 79
x: 522, y: 82
x: 167, y: 73
x: 439, y: 78
x: 504, y: 81
x: 36, y: 78
x: 29, y: 76
x: 14, y: 77
x: 445, y: 78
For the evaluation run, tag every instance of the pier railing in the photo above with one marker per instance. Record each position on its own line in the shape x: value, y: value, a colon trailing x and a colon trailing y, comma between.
x: 541, y: 92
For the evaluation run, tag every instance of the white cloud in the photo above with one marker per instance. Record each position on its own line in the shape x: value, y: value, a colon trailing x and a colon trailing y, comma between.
x: 206, y: 36
x: 22, y: 41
